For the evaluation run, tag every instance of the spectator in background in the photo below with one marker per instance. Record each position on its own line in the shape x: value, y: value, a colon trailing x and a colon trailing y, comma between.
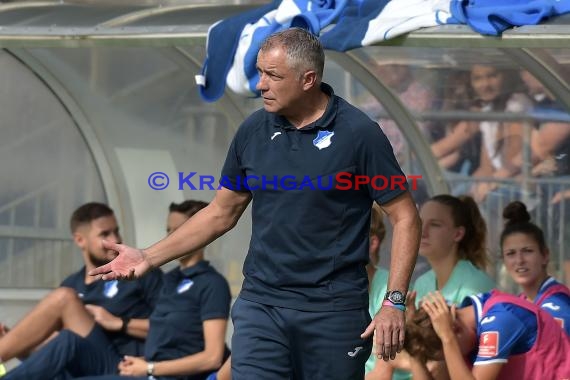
x: 497, y: 90
x: 562, y: 196
x: 548, y: 157
x: 526, y: 258
x: 98, y: 322
x: 490, y: 89
x: 414, y: 93
x: 550, y: 140
x: 458, y: 144
x: 543, y: 100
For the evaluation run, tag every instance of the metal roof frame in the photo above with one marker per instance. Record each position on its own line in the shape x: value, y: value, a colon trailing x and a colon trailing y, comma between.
x: 132, y: 25
x: 158, y: 24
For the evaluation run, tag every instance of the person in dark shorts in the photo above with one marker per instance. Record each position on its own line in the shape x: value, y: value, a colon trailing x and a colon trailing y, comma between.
x: 312, y: 165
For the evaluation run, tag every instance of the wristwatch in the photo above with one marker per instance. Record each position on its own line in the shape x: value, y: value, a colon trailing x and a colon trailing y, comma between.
x: 396, y: 297
x: 150, y: 368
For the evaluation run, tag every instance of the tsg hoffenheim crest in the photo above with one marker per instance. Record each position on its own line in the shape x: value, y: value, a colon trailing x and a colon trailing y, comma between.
x: 111, y: 289
x: 323, y: 139
x: 184, y: 285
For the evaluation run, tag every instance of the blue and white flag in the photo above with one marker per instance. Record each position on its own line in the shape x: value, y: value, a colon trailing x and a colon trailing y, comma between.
x: 232, y: 60
x: 221, y: 45
x: 233, y: 43
x: 493, y: 17
x: 367, y: 22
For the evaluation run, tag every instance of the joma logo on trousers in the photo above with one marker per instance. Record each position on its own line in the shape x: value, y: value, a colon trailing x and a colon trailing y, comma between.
x: 355, y: 352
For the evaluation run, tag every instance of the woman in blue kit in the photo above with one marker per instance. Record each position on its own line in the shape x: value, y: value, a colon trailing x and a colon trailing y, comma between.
x: 492, y: 336
x: 526, y: 257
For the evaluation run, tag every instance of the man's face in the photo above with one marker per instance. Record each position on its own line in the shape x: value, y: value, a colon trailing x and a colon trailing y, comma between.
x: 524, y: 260
x: 89, y: 238
x: 281, y: 86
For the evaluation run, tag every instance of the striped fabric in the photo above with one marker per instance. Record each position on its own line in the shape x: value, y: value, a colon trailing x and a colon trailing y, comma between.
x: 233, y: 43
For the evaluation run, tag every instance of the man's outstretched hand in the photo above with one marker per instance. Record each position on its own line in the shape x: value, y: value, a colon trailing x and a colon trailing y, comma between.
x: 388, y: 327
x: 131, y: 263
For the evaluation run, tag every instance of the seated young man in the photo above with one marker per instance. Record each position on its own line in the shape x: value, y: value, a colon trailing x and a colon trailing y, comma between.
x: 97, y: 321
x: 186, y: 339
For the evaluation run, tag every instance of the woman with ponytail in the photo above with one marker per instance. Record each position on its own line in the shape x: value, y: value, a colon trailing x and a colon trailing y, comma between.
x: 453, y: 242
x: 526, y: 257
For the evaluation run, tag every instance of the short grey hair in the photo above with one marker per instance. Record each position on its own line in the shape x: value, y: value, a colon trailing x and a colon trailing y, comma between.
x: 302, y: 48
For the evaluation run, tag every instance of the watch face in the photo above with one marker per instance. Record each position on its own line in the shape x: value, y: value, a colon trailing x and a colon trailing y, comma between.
x: 150, y: 368
x: 396, y: 297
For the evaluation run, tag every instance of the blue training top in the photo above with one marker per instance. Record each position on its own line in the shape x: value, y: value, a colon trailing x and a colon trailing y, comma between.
x: 506, y: 330
x: 131, y: 299
x: 309, y: 244
x: 557, y: 304
x: 189, y: 297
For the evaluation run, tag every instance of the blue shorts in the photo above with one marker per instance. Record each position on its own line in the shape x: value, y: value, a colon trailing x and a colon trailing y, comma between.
x: 275, y: 343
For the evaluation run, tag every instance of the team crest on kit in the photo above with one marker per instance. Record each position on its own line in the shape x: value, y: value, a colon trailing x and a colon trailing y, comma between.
x: 323, y: 139
x: 184, y: 285
x: 111, y: 289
